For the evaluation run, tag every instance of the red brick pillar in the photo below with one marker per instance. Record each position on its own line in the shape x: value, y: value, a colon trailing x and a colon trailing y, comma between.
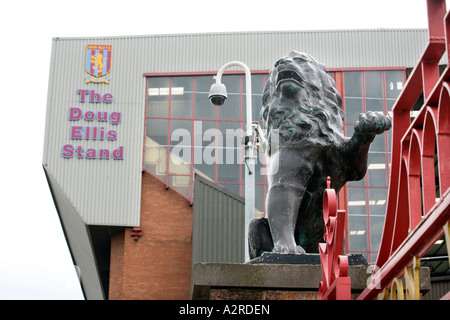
x: 158, y: 264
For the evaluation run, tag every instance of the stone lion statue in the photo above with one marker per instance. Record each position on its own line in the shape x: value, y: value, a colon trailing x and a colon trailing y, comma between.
x: 301, y: 105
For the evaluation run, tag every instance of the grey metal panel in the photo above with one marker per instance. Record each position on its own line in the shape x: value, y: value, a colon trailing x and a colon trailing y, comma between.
x: 259, y: 50
x: 79, y: 242
x: 104, y: 192
x: 218, y: 224
x: 440, y: 286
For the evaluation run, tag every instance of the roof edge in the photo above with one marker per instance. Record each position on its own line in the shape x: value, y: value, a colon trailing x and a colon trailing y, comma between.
x: 168, y: 35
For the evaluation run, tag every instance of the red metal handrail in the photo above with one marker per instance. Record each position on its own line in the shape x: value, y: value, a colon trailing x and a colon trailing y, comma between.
x: 414, y: 217
x: 335, y: 284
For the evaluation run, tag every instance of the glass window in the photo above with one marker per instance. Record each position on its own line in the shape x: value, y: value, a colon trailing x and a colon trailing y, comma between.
x: 157, y: 96
x: 378, y: 199
x: 375, y: 104
x: 259, y: 200
x: 377, y: 169
x: 353, y: 84
x: 353, y: 107
x: 179, y: 112
x: 379, y: 143
x: 228, y: 173
x: 181, y: 97
x: 357, y: 201
x: 376, y: 231
x: 374, y: 84
x: 258, y: 83
x: 357, y: 183
x: 203, y: 107
x: 209, y: 137
x: 204, y: 169
x: 180, y: 146
x: 231, y: 151
x: 349, y: 129
x: 233, y: 134
x: 155, y: 154
x: 358, y: 233
x: 231, y: 110
x: 157, y: 130
x: 234, y: 187
x: 394, y: 83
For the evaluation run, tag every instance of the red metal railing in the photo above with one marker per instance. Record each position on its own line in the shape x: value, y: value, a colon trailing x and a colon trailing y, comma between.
x: 415, y: 215
x: 335, y: 284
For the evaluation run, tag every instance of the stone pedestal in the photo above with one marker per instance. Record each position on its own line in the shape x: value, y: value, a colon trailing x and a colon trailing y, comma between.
x: 275, y: 277
x: 269, y: 277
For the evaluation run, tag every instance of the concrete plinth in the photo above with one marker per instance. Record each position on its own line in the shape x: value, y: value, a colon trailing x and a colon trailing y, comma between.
x: 232, y: 281
x: 272, y: 281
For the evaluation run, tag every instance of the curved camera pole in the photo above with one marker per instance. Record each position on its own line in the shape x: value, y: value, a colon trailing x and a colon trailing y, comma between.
x: 250, y: 155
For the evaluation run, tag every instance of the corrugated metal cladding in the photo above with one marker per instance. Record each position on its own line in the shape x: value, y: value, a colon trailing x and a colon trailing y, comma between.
x: 107, y: 192
x: 218, y: 224
x: 102, y: 191
x: 259, y: 50
x: 440, y: 286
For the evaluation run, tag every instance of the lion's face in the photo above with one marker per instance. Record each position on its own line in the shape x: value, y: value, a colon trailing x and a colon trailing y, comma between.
x: 300, y: 99
x: 292, y: 74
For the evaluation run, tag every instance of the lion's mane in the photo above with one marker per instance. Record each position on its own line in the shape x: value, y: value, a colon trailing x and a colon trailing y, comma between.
x: 314, y: 114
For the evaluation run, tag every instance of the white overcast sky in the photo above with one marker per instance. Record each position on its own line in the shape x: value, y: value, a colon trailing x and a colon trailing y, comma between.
x: 34, y: 260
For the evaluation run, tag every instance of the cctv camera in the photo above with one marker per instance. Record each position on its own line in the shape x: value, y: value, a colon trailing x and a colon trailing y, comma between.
x: 217, y: 99
x: 218, y: 94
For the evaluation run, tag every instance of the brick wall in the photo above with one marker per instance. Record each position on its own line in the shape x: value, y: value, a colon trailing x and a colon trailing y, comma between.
x: 158, y: 265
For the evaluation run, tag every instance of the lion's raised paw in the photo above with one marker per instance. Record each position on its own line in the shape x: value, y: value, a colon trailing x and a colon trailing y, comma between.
x: 373, y: 122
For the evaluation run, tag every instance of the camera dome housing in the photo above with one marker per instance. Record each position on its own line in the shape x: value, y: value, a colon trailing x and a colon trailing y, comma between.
x: 218, y: 94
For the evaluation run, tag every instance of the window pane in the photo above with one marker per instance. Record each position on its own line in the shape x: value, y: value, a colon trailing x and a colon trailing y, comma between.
x: 259, y: 170
x: 375, y: 104
x: 231, y: 110
x: 228, y: 172
x: 232, y: 187
x: 394, y: 83
x: 377, y: 169
x: 376, y: 230
x: 349, y: 130
x: 258, y: 82
x: 155, y: 154
x: 353, y: 107
x: 353, y: 84
x: 378, y: 199
x: 358, y: 183
x: 374, y: 84
x: 232, y: 134
x: 180, y: 146
x: 157, y: 96
x: 358, y: 233
x: 181, y: 98
x: 157, y: 130
x: 204, y: 148
x: 205, y: 170
x: 259, y: 200
x: 379, y: 143
x: 357, y: 201
x: 231, y: 152
x: 203, y: 107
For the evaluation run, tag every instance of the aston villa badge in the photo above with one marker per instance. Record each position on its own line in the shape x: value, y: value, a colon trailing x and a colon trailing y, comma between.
x: 98, y: 63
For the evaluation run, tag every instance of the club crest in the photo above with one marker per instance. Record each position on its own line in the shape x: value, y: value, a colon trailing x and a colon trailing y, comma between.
x: 98, y: 63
